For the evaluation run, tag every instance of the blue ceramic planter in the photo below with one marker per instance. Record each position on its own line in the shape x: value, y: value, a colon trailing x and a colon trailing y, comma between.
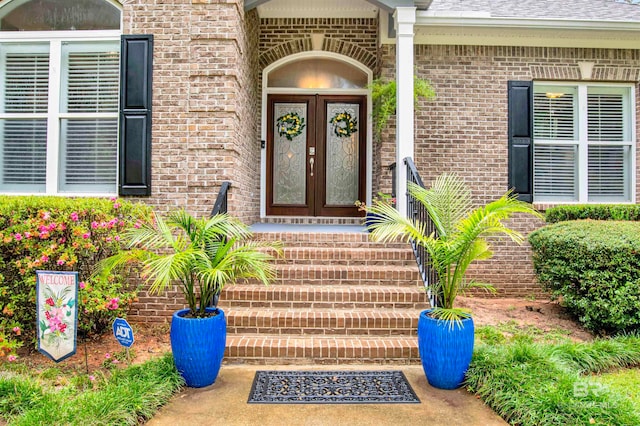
x: 445, y: 351
x: 371, y: 219
x: 198, y: 346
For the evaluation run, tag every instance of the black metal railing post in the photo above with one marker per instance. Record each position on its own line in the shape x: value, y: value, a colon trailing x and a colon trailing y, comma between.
x: 394, y: 179
x: 417, y: 212
x: 220, y: 207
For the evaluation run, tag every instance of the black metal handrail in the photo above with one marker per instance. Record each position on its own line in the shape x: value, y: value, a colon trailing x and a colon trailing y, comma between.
x: 394, y: 177
x: 220, y: 205
x: 417, y: 212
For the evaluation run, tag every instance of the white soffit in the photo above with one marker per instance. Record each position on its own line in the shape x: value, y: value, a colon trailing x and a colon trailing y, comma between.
x: 317, y: 9
x: 474, y: 29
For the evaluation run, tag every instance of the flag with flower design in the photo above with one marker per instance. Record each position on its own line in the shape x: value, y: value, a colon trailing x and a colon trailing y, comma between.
x: 57, y: 316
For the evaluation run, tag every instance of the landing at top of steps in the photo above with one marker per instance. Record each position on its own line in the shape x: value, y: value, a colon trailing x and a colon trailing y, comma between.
x: 302, y: 228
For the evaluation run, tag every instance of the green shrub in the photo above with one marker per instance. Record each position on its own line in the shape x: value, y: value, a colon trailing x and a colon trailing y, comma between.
x: 594, y: 266
x: 593, y: 211
x: 61, y: 234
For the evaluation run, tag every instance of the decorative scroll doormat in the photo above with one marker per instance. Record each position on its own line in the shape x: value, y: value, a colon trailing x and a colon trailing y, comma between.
x: 331, y: 387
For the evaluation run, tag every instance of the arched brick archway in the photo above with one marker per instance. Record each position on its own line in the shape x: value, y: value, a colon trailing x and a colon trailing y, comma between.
x: 332, y: 45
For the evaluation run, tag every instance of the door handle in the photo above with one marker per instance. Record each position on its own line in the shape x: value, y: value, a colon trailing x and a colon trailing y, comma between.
x: 311, y: 161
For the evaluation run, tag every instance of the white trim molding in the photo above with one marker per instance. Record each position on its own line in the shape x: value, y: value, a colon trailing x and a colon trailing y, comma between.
x: 405, y: 18
x: 477, y: 29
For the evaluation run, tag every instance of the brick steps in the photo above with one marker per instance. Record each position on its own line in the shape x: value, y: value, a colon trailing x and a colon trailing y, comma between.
x: 367, y: 275
x: 324, y: 297
x: 378, y: 322
x: 261, y: 349
x: 327, y: 239
x: 338, y: 298
x: 349, y: 256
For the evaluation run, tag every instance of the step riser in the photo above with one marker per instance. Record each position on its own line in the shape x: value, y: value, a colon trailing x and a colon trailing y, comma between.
x: 344, y: 256
x: 332, y: 280
x: 332, y: 358
x: 312, y: 331
x: 346, y: 262
x: 345, y: 275
x: 339, y: 326
x: 327, y: 240
x: 285, y: 297
x: 313, y: 220
x: 406, y: 282
x: 321, y: 305
x: 272, y: 351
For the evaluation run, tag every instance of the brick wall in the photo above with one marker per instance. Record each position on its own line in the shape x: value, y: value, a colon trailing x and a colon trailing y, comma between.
x: 205, y: 112
x: 208, y: 60
x: 205, y: 102
x: 353, y: 37
x: 464, y: 130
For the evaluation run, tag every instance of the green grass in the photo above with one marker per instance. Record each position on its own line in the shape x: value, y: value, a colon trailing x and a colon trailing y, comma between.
x: 625, y: 382
x: 529, y: 382
x: 512, y: 331
x: 126, y: 397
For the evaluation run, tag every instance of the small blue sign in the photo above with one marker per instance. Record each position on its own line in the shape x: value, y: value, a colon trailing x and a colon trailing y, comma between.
x: 123, y: 332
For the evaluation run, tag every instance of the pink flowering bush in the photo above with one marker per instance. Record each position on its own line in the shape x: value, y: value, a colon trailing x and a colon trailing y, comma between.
x: 61, y: 234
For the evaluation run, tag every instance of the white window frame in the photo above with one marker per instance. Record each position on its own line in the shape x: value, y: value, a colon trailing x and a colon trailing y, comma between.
x: 583, y: 143
x: 54, y: 115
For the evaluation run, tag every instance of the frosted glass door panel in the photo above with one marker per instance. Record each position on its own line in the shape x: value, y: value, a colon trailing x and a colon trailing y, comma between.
x: 343, y: 126
x: 290, y: 148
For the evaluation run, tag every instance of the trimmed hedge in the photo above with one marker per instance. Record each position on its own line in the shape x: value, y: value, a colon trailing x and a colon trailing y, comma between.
x: 593, y: 211
x: 594, y: 266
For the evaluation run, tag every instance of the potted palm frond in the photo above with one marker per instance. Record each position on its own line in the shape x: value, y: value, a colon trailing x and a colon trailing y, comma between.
x: 201, y: 256
x: 445, y: 332
x: 383, y: 97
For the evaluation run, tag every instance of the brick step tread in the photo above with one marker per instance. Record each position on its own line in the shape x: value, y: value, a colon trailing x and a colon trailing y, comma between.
x: 378, y: 322
x: 326, y: 239
x: 312, y: 293
x: 312, y: 220
x: 347, y: 255
x: 262, y: 349
x: 319, y: 297
x: 323, y: 267
x: 346, y: 275
x: 353, y: 280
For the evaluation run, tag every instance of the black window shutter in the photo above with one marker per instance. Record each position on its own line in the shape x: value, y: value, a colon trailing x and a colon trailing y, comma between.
x: 521, y: 139
x: 136, y: 70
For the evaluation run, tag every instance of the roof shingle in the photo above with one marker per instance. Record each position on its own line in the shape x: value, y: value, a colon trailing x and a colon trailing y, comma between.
x: 600, y: 10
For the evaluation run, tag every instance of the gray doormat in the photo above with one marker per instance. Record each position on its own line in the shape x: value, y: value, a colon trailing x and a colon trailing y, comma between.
x: 331, y: 387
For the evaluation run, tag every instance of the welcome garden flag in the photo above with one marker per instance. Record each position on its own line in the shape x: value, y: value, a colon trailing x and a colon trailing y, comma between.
x: 57, y: 315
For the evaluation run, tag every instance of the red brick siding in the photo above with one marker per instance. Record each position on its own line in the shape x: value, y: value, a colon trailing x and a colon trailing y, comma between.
x: 205, y: 112
x: 464, y: 130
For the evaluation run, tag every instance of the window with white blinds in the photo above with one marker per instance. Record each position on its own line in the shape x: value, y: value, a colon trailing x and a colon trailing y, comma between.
x: 89, y: 129
x: 23, y: 126
x: 59, y: 117
x: 583, y: 143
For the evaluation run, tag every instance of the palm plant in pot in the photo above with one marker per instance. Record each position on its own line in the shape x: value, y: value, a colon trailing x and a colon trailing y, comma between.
x: 201, y: 256
x: 445, y: 332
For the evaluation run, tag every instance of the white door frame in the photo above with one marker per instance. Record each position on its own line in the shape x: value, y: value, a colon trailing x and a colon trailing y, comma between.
x: 294, y: 91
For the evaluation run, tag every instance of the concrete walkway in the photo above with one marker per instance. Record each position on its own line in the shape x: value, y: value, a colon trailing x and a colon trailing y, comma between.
x: 225, y: 403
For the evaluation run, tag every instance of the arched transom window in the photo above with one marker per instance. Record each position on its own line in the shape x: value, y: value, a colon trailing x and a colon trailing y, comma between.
x: 59, y: 88
x: 317, y: 73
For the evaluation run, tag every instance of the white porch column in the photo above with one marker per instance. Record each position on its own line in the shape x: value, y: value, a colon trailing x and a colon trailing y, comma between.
x: 405, y: 18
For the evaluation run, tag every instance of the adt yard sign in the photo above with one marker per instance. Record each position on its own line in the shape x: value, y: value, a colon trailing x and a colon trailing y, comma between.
x: 123, y: 332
